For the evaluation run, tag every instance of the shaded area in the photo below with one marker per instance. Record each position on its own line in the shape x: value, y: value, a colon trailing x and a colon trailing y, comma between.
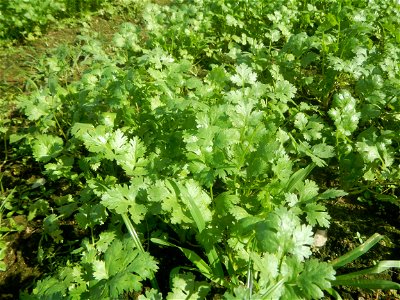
x: 21, y: 260
x: 351, y: 224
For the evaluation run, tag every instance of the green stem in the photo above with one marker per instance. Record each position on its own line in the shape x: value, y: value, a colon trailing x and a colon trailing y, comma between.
x: 132, y: 232
x: 138, y: 244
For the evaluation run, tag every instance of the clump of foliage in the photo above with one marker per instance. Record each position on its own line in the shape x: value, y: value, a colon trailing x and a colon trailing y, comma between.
x: 28, y: 19
x: 206, y: 129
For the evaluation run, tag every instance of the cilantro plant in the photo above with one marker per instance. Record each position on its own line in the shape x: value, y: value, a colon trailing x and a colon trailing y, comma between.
x: 204, y: 129
x: 29, y: 19
x: 26, y: 18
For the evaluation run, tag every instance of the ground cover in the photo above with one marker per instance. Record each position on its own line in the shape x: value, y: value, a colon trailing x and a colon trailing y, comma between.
x: 194, y: 151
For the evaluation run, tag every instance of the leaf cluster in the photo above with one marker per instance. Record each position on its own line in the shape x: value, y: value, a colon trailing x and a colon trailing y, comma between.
x: 204, y: 129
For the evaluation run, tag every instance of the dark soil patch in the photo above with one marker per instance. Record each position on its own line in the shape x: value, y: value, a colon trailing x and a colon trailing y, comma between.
x: 352, y: 223
x: 21, y: 260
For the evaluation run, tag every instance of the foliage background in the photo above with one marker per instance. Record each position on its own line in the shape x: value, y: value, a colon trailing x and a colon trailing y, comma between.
x: 201, y: 120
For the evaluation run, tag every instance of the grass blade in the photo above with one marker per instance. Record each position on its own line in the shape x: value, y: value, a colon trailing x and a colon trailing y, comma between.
x: 382, y: 266
x: 334, y: 294
x: 212, y: 254
x: 191, y: 255
x: 273, y: 288
x: 138, y: 244
x: 196, y: 260
x: 299, y: 176
x: 357, y: 252
x: 200, y: 222
x: 372, y: 284
x: 132, y: 232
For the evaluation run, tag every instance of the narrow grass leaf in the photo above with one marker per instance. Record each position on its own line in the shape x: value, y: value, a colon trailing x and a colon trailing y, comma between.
x: 191, y: 255
x: 382, y: 266
x: 372, y: 284
x: 357, y: 252
x: 299, y: 176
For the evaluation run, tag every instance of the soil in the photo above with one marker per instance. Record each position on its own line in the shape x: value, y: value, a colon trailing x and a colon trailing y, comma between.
x: 21, y: 260
x: 354, y: 222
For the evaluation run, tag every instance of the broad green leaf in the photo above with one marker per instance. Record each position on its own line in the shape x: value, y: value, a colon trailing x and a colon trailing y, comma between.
x: 46, y: 147
x: 331, y: 193
x: 198, y: 202
x: 51, y: 227
x: 151, y: 294
x: 184, y: 286
x: 105, y: 239
x: 165, y: 194
x: 307, y: 190
x: 91, y: 215
x: 344, y: 113
x: 323, y: 150
x: 99, y: 270
x: 244, y: 75
x: 315, y: 278
x: 122, y: 199
x: 316, y: 214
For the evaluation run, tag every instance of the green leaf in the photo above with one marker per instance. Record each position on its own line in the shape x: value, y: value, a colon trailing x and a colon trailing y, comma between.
x: 151, y: 294
x: 282, y: 233
x: 191, y: 255
x: 298, y: 177
x: 268, y: 267
x: 344, y: 113
x: 307, y: 190
x: 116, y: 273
x: 198, y: 202
x: 184, y: 286
x: 91, y: 215
x: 131, y: 158
x: 323, y: 150
x: 123, y: 282
x: 62, y: 168
x: 317, y: 214
x: 217, y: 75
x: 284, y: 91
x: 302, y: 239
x: 380, y: 267
x: 244, y: 75
x: 315, y: 278
x: 122, y: 199
x: 369, y: 151
x: 164, y: 193
x: 99, y: 270
x: 52, y: 228
x: 332, y: 193
x: 46, y: 147
x: 300, y: 121
x: 105, y: 239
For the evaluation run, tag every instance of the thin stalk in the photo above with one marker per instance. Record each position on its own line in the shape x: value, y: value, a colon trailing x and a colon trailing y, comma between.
x: 249, y: 283
x: 133, y: 232
x: 138, y: 244
x: 58, y: 123
x: 356, y: 252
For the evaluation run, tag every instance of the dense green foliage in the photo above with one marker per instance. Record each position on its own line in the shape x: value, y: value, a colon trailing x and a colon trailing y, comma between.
x: 28, y: 19
x: 218, y: 129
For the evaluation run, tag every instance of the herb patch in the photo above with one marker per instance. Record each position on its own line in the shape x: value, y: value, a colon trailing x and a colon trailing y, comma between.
x: 219, y: 131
